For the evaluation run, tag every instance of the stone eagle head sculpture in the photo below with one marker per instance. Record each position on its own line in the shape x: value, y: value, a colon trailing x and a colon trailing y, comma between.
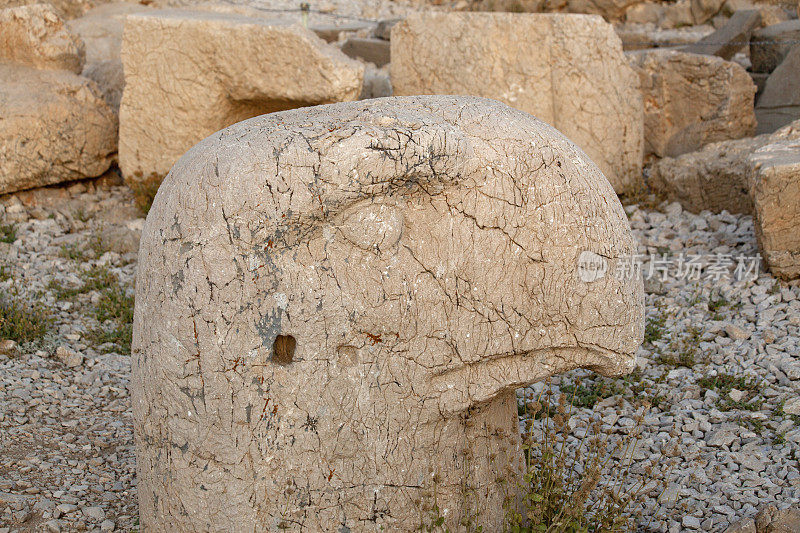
x: 336, y: 304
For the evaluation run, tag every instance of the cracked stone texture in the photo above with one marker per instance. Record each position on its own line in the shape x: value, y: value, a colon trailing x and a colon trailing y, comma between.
x: 191, y: 73
x: 716, y: 177
x: 101, y: 31
x: 36, y: 36
x: 567, y: 70
x: 691, y: 100
x: 55, y: 127
x: 422, y: 253
x: 775, y: 187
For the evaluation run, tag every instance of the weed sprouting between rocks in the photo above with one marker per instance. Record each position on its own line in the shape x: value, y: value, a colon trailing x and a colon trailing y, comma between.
x: 20, y: 321
x: 582, y: 483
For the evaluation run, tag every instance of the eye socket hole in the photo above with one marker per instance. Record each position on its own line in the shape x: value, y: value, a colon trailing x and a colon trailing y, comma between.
x: 283, y: 349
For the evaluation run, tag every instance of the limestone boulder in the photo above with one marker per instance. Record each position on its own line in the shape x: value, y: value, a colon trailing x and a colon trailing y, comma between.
x: 775, y: 188
x: 66, y: 9
x: 101, y: 31
x: 674, y: 15
x: 36, y: 36
x: 530, y: 61
x: 716, y: 177
x: 771, y: 45
x: 335, y: 305
x: 691, y: 100
x: 779, y: 103
x: 191, y: 73
x: 55, y: 127
x: 770, y: 519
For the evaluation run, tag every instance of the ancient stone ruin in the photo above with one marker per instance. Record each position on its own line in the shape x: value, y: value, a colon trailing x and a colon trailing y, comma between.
x: 191, y: 73
x: 54, y: 124
x: 335, y: 306
x: 529, y: 62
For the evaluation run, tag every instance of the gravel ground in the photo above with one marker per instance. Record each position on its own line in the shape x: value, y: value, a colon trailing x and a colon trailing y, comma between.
x: 720, y: 370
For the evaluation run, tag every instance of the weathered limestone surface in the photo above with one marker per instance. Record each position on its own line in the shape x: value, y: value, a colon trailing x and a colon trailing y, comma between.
x: 54, y: 127
x: 691, y: 100
x: 779, y: 104
x: 36, y: 36
x: 67, y: 9
x: 716, y: 177
x: 335, y: 305
x: 775, y: 187
x: 567, y: 70
x: 101, y: 31
x: 190, y: 73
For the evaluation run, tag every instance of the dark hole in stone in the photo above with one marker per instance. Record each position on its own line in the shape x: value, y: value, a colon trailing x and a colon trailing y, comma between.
x: 283, y: 349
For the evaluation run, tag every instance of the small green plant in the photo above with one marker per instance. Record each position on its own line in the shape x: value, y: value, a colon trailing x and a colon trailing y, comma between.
x: 577, y: 489
x: 779, y: 412
x: 717, y: 303
x: 8, y: 233
x: 723, y: 384
x: 22, y: 322
x: 119, y: 335
x: 144, y: 192
x: 4, y: 274
x: 73, y: 252
x: 115, y: 306
x: 82, y: 215
x: 654, y: 328
x: 683, y: 351
x: 587, y: 395
x: 80, y: 252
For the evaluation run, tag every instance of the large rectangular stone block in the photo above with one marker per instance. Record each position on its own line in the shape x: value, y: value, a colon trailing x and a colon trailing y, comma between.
x: 568, y: 70
x: 775, y: 187
x: 191, y: 73
x: 692, y: 100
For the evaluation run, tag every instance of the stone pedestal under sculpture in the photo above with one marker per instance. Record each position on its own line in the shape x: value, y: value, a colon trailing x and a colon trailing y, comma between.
x: 336, y: 304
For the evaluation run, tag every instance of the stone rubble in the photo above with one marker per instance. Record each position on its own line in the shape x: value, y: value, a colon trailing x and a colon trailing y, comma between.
x: 54, y: 125
x: 735, y: 457
x: 721, y: 93
x: 716, y: 177
x: 66, y: 435
x: 36, y: 36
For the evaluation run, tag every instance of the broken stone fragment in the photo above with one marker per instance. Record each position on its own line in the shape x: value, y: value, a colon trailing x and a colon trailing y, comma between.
x: 775, y: 188
x: 716, y: 177
x: 191, y: 73
x: 692, y: 100
x: 779, y: 103
x: 55, y: 127
x: 335, y: 306
x: 36, y: 36
x: 101, y: 31
x: 528, y: 61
